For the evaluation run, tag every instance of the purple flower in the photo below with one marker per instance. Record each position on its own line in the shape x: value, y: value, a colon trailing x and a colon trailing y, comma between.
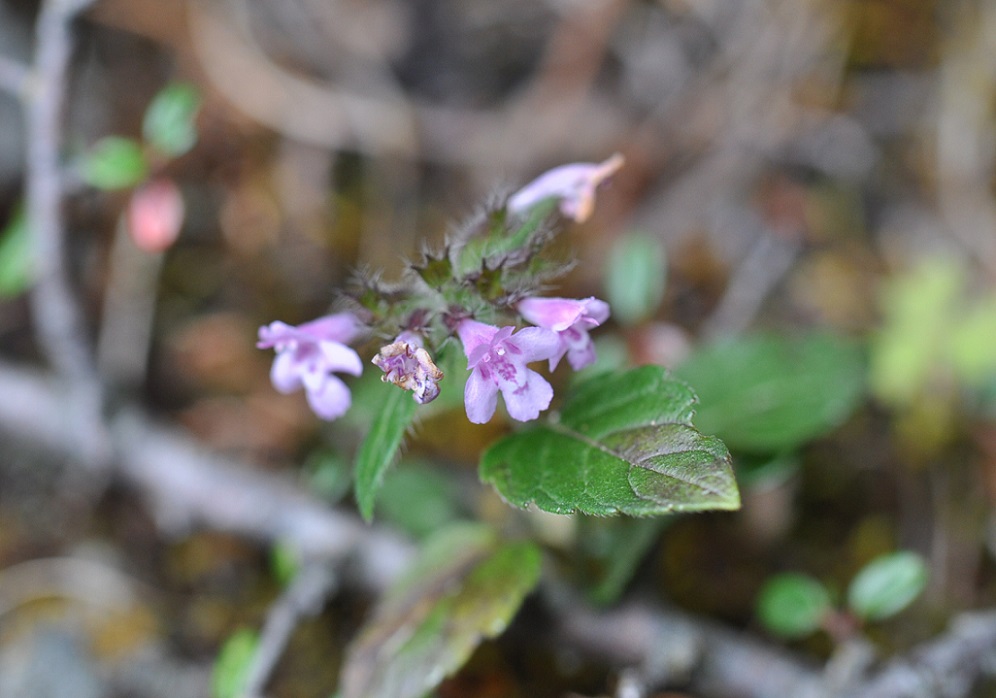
x: 573, y: 184
x: 497, y: 360
x: 309, y: 354
x: 570, y: 319
x: 408, y: 365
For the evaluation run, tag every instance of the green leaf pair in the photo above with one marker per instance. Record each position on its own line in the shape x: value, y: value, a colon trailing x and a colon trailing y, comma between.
x: 116, y: 162
x: 794, y: 605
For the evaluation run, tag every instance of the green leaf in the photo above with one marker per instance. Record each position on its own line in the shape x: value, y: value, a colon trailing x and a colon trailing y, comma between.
x: 769, y: 394
x: 114, y: 163
x: 168, y: 125
x: 465, y: 586
x: 284, y: 563
x: 231, y: 669
x: 635, y: 278
x: 793, y: 605
x: 887, y: 585
x: 15, y: 256
x: 624, y: 444
x: 381, y: 445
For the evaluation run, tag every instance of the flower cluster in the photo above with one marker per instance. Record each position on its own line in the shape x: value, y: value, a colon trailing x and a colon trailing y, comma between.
x: 310, y: 355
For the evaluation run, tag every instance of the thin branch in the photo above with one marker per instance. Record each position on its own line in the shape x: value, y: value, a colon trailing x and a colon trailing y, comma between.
x: 304, y: 597
x: 57, y: 315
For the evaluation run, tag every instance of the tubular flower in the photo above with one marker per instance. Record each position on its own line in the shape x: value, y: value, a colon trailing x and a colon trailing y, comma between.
x: 408, y: 365
x: 574, y: 185
x: 309, y: 355
x: 570, y: 319
x: 497, y: 360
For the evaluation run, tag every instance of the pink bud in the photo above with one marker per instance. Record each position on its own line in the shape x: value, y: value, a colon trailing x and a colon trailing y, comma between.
x: 155, y: 215
x: 573, y: 185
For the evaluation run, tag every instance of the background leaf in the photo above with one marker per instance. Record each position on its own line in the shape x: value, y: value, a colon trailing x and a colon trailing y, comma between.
x: 624, y: 444
x: 767, y: 393
x: 381, y: 445
x: 793, y: 605
x: 635, y: 278
x: 168, y: 125
x: 114, y: 163
x: 465, y: 586
x: 887, y: 585
x: 15, y: 256
x: 232, y: 666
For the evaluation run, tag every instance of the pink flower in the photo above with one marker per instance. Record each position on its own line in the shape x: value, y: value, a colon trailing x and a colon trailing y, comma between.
x: 309, y: 354
x: 155, y: 215
x: 573, y: 184
x: 497, y: 360
x: 408, y: 365
x: 571, y: 320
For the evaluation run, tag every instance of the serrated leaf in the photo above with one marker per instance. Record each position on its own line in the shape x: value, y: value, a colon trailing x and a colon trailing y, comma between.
x: 15, y: 256
x: 635, y: 278
x: 887, y: 585
x: 624, y: 444
x: 381, y: 445
x: 168, y: 125
x: 231, y: 669
x: 767, y: 394
x: 465, y: 586
x: 114, y: 163
x: 793, y: 605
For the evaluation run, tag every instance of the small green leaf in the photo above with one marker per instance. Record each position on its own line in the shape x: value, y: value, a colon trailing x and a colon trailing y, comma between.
x: 887, y: 585
x: 435, y: 271
x: 635, y: 278
x: 624, y: 444
x: 231, y: 669
x: 114, y: 163
x: 793, y: 605
x: 168, y: 125
x: 465, y: 586
x: 381, y: 445
x: 767, y: 394
x: 15, y: 256
x: 284, y: 563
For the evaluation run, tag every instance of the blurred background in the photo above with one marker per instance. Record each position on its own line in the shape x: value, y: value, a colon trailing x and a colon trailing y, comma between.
x: 806, y: 168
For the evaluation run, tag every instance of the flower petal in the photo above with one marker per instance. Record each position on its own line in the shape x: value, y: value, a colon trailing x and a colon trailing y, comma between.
x: 480, y: 398
x: 526, y: 402
x: 535, y: 343
x: 552, y: 313
x: 331, y: 400
x: 473, y: 334
x: 340, y: 327
x: 339, y: 357
x: 285, y: 372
